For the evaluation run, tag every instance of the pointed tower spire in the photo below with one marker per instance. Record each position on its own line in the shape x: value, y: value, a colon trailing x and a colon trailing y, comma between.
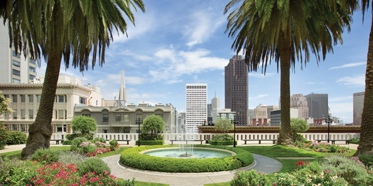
x: 215, y: 93
x: 122, y: 90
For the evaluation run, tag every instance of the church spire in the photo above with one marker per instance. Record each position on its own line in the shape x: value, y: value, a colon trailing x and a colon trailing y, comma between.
x: 122, y: 90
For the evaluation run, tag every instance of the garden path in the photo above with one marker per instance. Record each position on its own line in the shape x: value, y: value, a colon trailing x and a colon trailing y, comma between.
x: 262, y: 163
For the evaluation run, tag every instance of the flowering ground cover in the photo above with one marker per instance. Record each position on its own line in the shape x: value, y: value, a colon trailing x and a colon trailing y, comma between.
x: 324, y: 147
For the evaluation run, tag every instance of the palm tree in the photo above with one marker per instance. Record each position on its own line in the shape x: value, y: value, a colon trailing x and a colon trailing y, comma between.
x: 56, y: 28
x: 286, y: 31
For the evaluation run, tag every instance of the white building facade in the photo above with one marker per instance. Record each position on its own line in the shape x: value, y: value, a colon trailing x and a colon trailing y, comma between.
x: 196, y: 106
x: 215, y: 104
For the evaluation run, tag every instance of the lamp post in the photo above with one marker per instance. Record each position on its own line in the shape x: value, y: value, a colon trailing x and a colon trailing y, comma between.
x: 138, y: 121
x: 328, y: 120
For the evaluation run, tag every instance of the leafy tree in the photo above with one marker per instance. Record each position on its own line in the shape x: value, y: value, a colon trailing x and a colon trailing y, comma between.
x: 152, y: 124
x: 223, y: 125
x: 298, y: 125
x: 4, y: 104
x: 285, y: 30
x: 84, y: 124
x: 62, y: 28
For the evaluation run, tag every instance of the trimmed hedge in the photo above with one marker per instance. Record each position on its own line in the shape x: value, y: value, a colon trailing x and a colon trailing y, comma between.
x: 150, y: 142
x: 131, y: 157
x: 222, y: 142
x: 67, y: 142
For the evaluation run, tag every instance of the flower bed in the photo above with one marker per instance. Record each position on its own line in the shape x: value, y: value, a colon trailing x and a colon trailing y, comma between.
x: 131, y: 157
x: 321, y: 147
x: 93, y: 149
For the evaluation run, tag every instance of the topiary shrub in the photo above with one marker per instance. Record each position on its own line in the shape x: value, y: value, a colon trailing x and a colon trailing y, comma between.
x: 222, y: 142
x: 223, y: 137
x: 67, y: 142
x: 91, y: 165
x: 71, y: 137
x: 16, y: 137
x: 77, y: 141
x: 3, y: 135
x: 354, y: 140
x: 102, y: 140
x: 45, y: 156
x: 88, y: 149
x: 150, y: 142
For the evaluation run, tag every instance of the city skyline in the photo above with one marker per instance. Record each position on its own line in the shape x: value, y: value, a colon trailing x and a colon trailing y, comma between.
x: 174, y: 44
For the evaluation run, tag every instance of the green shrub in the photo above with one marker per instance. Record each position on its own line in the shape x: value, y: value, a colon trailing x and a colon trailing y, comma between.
x: 131, y: 157
x: 251, y: 177
x: 3, y: 135
x: 45, y: 156
x: 88, y: 136
x: 77, y: 141
x: 333, y: 148
x: 16, y: 172
x: 88, y: 149
x: 102, y: 140
x: 126, y: 182
x: 67, y: 142
x: 222, y: 142
x: 68, y: 157
x: 146, y: 136
x: 150, y: 142
x: 367, y: 159
x: 223, y: 137
x: 93, y: 165
x: 16, y: 137
x: 113, y: 143
x: 354, y: 140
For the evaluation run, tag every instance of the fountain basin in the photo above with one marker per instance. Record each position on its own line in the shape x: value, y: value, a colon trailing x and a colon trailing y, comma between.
x: 196, y: 153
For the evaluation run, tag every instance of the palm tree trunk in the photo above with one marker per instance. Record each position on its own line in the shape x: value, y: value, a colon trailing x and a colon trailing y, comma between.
x: 366, y: 129
x: 285, y: 137
x: 41, y: 130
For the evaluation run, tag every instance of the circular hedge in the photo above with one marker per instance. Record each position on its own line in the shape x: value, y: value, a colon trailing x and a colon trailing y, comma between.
x: 132, y: 158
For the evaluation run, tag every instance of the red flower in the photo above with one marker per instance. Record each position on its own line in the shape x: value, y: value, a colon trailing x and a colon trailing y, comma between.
x: 296, y: 163
x: 306, y: 162
x: 47, y: 156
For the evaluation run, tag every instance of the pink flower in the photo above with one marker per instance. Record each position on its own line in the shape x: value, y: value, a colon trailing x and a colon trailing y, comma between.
x: 47, y: 156
x: 274, y: 184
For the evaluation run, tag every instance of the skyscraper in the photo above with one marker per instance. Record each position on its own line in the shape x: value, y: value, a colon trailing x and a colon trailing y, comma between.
x: 215, y: 105
x: 15, y: 68
x: 236, y: 88
x: 358, y: 107
x: 196, y: 106
x: 317, y: 105
x: 122, y: 92
x: 299, y: 102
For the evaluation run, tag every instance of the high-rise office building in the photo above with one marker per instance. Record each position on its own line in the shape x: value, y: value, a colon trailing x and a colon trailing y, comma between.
x: 358, y: 107
x: 15, y: 68
x: 299, y: 102
x: 236, y: 88
x: 196, y: 106
x: 215, y: 105
x: 317, y: 105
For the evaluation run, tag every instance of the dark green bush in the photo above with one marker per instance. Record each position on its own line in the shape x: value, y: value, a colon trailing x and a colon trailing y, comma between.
x: 113, y: 143
x: 102, y: 140
x: 131, y: 157
x: 77, y: 141
x: 146, y: 136
x: 16, y: 137
x: 45, y: 156
x: 71, y: 137
x: 251, y: 177
x: 14, y: 171
x: 222, y: 142
x: 150, y: 142
x: 223, y: 137
x: 354, y: 140
x: 367, y: 159
x: 93, y: 165
x: 67, y: 142
x: 128, y: 182
x: 3, y: 135
x: 88, y: 149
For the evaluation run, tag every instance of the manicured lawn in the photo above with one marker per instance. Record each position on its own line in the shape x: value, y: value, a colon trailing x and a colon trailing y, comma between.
x: 112, y: 152
x: 18, y: 152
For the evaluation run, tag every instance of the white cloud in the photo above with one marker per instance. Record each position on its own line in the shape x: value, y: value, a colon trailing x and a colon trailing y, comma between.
x: 357, y: 80
x: 202, y: 25
x: 260, y: 75
x: 136, y: 56
x: 115, y: 79
x: 349, y: 65
x: 343, y: 98
x: 258, y: 97
x: 166, y: 54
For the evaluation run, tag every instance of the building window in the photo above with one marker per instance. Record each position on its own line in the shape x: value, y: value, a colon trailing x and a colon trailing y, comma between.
x: 6, y: 96
x: 32, y: 61
x: 82, y: 100
x: 16, y: 72
x: 60, y: 114
x: 96, y: 102
x: 17, y: 55
x: 126, y: 118
x: 15, y: 127
x: 31, y: 77
x: 56, y: 114
x: 31, y: 114
x: 65, y: 114
x: 86, y: 115
x: 139, y: 117
x: 32, y: 69
x: 23, y: 128
x: 14, y: 80
x: 23, y: 114
x: 14, y: 98
x: 38, y: 97
x: 105, y: 118
x: 59, y: 128
x: 14, y: 114
x: 6, y: 115
x: 30, y: 98
x: 16, y: 63
x: 60, y: 98
x: 118, y: 118
x: 23, y: 98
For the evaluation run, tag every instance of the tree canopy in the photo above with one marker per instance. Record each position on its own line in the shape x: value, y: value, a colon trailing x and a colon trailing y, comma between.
x: 223, y: 124
x: 4, y: 104
x: 152, y: 124
x: 298, y: 125
x: 84, y: 124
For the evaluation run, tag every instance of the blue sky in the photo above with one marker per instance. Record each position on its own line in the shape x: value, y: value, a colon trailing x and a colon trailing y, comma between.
x: 179, y: 42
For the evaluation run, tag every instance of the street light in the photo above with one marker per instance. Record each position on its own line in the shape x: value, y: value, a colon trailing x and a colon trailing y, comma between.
x: 328, y: 120
x: 138, y: 121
